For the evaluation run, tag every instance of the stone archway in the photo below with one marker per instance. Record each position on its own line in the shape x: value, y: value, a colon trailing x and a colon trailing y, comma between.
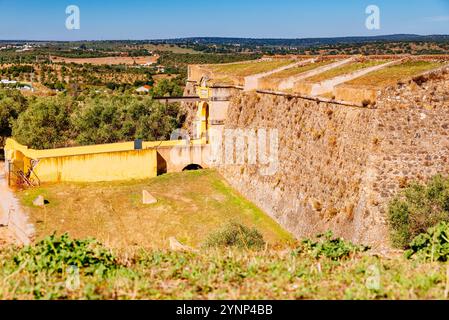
x: 192, y: 167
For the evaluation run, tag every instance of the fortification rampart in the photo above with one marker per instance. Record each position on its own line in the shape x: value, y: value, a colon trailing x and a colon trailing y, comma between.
x: 339, y: 166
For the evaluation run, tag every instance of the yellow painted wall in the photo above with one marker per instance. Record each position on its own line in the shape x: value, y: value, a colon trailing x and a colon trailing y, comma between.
x: 110, y: 166
x: 108, y: 162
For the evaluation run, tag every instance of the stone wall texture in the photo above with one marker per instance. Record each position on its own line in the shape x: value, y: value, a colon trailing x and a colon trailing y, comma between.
x: 339, y: 165
x: 189, y: 109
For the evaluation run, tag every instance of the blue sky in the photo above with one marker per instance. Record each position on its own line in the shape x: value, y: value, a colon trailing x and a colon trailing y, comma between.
x: 113, y: 19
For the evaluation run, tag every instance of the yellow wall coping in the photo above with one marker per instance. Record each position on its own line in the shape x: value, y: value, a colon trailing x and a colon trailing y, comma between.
x: 12, y: 145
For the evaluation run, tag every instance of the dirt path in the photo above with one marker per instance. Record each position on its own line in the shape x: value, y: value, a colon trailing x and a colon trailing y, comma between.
x: 13, y: 220
x: 6, y: 238
x: 3, y: 204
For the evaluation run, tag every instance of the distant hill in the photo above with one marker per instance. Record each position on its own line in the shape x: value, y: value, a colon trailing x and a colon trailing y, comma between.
x: 300, y: 42
x: 307, y: 42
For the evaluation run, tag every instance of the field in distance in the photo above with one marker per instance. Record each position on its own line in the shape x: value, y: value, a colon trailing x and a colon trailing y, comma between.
x: 108, y: 60
x: 169, y: 48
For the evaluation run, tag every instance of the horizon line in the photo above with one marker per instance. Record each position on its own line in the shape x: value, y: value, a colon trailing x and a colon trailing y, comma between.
x: 229, y: 37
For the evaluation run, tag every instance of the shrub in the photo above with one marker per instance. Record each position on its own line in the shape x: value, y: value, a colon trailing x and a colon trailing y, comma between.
x: 12, y: 103
x: 366, y: 103
x: 167, y: 88
x: 63, y: 121
x: 432, y: 245
x: 45, y: 123
x: 417, y: 208
x: 113, y: 119
x: 55, y: 254
x: 236, y: 235
x: 329, y: 247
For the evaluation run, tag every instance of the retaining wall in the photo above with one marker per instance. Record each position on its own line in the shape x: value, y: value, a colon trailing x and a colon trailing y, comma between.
x: 339, y: 166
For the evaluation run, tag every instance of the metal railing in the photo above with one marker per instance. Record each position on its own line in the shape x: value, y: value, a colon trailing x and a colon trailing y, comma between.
x: 22, y: 179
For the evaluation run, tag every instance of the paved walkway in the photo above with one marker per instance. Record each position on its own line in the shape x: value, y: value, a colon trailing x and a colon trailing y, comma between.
x: 6, y: 237
x: 3, y: 196
x: 12, y: 215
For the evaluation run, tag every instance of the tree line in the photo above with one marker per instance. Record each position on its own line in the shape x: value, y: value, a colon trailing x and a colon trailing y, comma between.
x: 90, y: 118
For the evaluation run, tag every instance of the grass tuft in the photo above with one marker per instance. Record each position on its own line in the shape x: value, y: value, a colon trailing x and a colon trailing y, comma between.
x: 330, y: 247
x: 236, y: 235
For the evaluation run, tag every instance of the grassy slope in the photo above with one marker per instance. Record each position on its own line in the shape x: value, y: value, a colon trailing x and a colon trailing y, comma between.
x: 345, y: 69
x: 298, y: 70
x: 250, y: 68
x: 391, y: 75
x: 190, y: 206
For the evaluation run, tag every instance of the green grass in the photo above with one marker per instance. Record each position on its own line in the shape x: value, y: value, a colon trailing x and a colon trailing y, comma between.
x: 300, y: 69
x: 230, y: 274
x: 27, y: 197
x: 226, y: 80
x: 190, y: 206
x: 345, y: 69
x: 250, y: 68
x: 416, y: 208
x: 391, y: 75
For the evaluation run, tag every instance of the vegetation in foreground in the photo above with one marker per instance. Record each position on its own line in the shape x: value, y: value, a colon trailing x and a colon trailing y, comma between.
x: 417, y: 208
x: 63, y: 268
x: 432, y: 245
x: 330, y: 247
x: 236, y: 261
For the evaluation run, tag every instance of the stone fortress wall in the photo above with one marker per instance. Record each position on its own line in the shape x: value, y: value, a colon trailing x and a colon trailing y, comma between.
x: 340, y: 165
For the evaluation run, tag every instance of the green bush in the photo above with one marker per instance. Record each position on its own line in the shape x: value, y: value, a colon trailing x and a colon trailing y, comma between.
x: 55, y: 254
x: 45, y: 123
x: 417, y: 208
x: 236, y: 235
x: 63, y: 121
x: 167, y: 88
x: 12, y: 103
x: 432, y: 245
x: 329, y: 247
x: 124, y: 118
